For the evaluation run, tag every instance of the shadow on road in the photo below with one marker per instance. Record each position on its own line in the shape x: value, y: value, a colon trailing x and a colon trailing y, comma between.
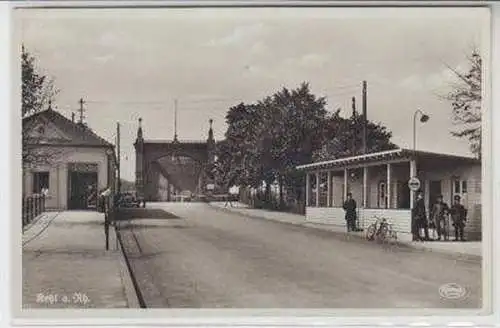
x: 144, y: 213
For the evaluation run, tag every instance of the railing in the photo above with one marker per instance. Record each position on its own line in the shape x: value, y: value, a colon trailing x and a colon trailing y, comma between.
x: 33, y: 206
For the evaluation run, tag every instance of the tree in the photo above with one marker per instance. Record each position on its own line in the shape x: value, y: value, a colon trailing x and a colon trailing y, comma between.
x: 465, y: 101
x: 38, y: 91
x: 266, y: 141
x: 343, y: 137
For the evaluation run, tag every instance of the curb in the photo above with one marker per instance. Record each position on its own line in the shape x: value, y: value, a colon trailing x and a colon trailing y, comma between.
x: 34, y: 221
x: 132, y: 291
x: 455, y: 255
x: 128, y: 286
x: 29, y: 233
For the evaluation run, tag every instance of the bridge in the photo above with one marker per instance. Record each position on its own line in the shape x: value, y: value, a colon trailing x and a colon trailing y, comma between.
x: 166, y: 168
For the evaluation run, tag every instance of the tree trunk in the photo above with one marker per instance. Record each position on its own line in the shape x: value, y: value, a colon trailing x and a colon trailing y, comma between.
x: 268, y: 192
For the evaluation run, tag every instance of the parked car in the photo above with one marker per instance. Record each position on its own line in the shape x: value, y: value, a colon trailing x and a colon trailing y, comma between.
x: 128, y: 200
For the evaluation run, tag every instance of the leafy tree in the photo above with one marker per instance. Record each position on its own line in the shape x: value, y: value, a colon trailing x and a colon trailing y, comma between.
x: 466, y: 103
x: 341, y: 134
x: 266, y: 141
x: 37, y: 93
x: 37, y: 89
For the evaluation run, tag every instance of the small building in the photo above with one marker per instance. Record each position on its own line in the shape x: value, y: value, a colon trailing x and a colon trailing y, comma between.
x: 379, y: 184
x: 66, y: 160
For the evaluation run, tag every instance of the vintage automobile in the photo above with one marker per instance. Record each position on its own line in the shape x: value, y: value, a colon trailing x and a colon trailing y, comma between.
x: 128, y: 200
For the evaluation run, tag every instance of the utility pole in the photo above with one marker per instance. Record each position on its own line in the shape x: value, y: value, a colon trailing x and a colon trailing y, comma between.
x: 365, y: 119
x: 118, y: 156
x: 353, y: 127
x: 81, y: 110
x: 175, y: 120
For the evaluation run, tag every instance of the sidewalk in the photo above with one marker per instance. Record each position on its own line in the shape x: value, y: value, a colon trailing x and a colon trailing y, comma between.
x: 468, y: 249
x: 65, y: 264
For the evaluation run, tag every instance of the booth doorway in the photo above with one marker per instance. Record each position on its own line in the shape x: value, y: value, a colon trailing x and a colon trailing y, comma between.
x: 434, y: 192
x: 82, y: 187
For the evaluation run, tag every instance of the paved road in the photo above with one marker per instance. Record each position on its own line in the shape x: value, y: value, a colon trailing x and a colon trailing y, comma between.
x: 208, y: 258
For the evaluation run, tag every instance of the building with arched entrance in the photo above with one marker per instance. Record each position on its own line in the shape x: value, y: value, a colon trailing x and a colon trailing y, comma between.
x: 167, y: 168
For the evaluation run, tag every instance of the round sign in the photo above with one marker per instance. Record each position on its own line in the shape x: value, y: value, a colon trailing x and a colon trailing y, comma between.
x: 414, y: 184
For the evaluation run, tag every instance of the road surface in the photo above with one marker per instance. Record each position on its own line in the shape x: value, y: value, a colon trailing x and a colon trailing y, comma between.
x: 209, y: 258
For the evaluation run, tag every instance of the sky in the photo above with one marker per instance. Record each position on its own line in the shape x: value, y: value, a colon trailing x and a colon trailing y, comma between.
x: 131, y: 63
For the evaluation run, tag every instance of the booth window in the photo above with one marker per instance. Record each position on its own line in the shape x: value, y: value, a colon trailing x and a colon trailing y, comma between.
x: 460, y: 189
x: 40, y: 181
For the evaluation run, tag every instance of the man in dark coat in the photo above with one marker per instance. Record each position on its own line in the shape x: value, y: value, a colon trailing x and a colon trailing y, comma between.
x: 350, y: 213
x: 420, y: 218
x: 459, y: 216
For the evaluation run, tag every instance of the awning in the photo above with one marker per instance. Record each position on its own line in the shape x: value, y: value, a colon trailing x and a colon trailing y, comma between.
x: 388, y: 155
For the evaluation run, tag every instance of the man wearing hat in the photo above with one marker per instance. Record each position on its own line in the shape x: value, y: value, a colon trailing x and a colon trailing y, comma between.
x: 459, y: 216
x: 350, y: 213
x: 420, y: 219
x: 439, y: 212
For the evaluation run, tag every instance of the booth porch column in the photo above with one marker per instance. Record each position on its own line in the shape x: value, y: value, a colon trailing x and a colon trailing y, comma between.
x: 317, y: 189
x: 345, y: 184
x: 388, y: 184
x: 329, y: 189
x: 413, y: 173
x: 365, y: 187
x: 308, y: 188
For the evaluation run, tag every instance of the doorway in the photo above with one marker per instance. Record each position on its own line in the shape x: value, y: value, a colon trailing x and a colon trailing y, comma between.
x: 434, y: 192
x: 82, y: 189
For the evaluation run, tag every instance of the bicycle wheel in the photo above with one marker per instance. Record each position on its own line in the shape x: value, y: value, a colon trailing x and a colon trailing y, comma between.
x: 383, y: 233
x: 370, y: 232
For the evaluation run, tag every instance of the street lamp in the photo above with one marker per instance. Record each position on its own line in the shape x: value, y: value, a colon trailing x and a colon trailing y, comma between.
x: 423, y: 118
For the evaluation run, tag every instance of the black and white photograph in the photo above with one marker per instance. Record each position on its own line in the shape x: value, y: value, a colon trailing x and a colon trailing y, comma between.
x: 253, y: 157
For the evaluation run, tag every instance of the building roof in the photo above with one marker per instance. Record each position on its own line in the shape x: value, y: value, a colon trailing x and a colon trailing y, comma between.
x: 54, y: 128
x: 165, y: 141
x: 387, y: 155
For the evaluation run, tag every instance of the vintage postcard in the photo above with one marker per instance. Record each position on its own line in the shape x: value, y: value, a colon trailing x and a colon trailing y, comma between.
x: 253, y: 161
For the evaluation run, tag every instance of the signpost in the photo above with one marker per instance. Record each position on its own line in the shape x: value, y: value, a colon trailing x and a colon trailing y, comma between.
x: 414, y: 184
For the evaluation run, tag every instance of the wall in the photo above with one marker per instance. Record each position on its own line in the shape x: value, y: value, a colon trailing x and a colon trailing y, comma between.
x: 58, y: 173
x: 400, y: 219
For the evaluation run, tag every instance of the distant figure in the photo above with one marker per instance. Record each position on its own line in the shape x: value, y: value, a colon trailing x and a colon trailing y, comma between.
x: 419, y: 215
x: 45, y: 192
x: 228, y: 200
x: 440, y: 211
x: 459, y: 216
x: 350, y: 213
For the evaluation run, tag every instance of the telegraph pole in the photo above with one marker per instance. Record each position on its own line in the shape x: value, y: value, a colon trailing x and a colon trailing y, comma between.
x: 118, y: 156
x: 175, y: 120
x: 365, y: 119
x: 353, y: 127
x: 81, y: 110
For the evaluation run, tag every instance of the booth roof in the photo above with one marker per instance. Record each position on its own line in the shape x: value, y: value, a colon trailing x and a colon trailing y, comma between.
x: 387, y: 155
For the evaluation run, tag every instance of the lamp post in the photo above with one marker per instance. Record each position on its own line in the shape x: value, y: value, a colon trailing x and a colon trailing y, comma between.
x: 423, y: 118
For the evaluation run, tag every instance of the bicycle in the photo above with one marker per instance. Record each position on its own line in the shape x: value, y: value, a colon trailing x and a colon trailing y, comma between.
x: 381, y: 230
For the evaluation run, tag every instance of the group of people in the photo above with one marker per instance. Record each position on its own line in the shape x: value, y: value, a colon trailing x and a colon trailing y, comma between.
x: 420, y: 221
x: 438, y: 218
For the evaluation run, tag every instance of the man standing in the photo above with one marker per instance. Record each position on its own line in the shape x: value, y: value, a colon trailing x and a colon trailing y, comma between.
x: 350, y: 213
x: 459, y: 216
x: 420, y: 218
x: 439, y: 212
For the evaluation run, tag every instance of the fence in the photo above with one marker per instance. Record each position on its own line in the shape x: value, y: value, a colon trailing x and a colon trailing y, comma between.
x: 33, y: 206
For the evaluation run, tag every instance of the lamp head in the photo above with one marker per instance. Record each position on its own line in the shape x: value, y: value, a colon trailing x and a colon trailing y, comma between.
x: 424, y: 118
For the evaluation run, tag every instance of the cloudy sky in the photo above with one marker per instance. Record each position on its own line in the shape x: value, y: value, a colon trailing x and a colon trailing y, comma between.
x: 133, y: 63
